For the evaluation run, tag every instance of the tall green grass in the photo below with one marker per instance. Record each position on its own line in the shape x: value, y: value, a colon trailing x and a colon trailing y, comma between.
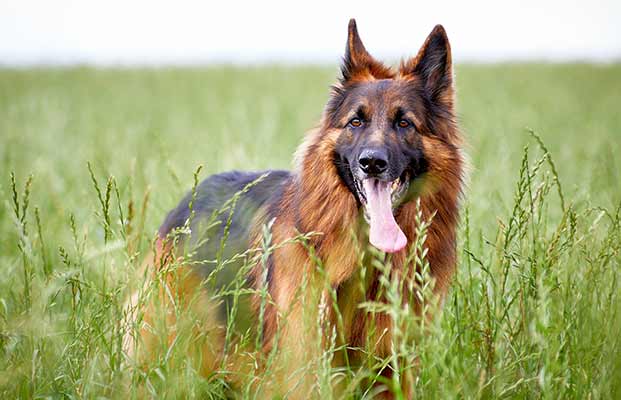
x: 93, y: 159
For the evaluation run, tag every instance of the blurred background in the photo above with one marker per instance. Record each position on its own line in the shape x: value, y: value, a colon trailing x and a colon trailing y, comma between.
x: 108, y: 108
x: 145, y: 32
x: 149, y: 90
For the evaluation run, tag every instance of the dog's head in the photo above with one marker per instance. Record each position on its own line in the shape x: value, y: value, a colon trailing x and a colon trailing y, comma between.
x: 387, y: 124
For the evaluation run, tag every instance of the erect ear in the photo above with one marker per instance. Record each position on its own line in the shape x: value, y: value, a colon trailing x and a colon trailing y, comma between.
x: 433, y: 66
x: 358, y: 63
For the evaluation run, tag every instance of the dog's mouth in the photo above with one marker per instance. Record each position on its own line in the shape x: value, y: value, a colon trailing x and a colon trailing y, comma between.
x: 398, y: 189
x: 379, y: 200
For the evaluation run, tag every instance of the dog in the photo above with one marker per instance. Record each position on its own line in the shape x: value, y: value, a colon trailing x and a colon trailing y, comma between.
x: 387, y: 151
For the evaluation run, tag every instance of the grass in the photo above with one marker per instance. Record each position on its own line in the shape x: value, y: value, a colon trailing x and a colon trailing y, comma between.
x: 91, y: 160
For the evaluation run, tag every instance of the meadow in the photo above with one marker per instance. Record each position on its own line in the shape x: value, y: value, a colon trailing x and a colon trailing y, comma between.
x: 91, y: 160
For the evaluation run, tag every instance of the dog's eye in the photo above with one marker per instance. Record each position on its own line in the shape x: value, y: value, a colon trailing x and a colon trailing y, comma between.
x: 403, y: 123
x: 355, y: 123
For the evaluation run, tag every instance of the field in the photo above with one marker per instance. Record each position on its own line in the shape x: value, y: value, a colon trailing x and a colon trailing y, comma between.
x: 91, y: 160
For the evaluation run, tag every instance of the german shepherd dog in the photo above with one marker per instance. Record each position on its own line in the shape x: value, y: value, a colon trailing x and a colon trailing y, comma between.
x: 387, y: 150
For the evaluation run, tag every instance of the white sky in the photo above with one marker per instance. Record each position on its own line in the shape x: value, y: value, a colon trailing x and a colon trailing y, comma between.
x: 185, y: 32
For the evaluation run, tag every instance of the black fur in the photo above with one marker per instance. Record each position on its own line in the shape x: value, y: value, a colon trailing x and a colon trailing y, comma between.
x: 211, y: 196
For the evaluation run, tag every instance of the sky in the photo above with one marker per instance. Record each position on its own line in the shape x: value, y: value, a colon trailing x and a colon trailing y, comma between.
x: 140, y: 32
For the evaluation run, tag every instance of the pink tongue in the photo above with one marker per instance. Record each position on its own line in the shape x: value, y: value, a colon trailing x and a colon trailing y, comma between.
x: 384, y: 234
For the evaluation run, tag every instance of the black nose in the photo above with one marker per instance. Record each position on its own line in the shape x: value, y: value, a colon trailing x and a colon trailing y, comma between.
x: 373, y: 161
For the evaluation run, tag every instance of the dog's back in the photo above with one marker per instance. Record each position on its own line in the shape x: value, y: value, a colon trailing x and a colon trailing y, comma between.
x: 206, y: 213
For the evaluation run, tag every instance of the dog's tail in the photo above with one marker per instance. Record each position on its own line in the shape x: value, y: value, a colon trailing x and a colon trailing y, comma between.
x: 140, y: 283
x: 170, y: 312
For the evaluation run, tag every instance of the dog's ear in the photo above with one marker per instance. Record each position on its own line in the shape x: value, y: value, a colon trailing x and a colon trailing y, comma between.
x: 358, y: 64
x: 433, y: 66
